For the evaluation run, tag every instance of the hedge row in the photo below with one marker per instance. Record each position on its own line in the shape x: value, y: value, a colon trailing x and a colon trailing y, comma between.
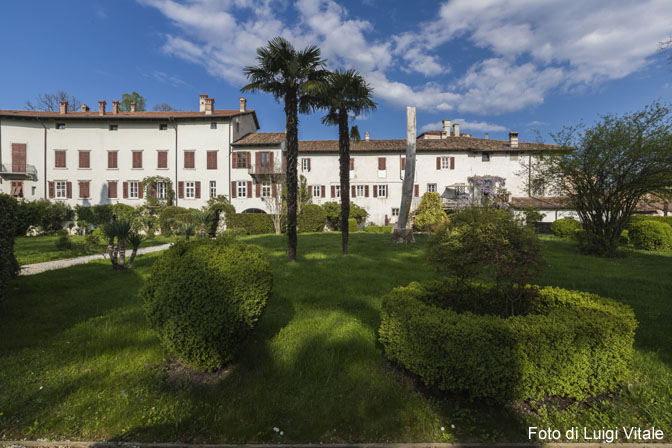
x: 253, y: 223
x: 8, y: 265
x: 639, y: 218
x: 378, y: 229
x: 570, y: 344
x: 48, y: 215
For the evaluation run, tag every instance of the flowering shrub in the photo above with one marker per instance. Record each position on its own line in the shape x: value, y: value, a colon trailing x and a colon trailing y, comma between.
x: 486, y: 190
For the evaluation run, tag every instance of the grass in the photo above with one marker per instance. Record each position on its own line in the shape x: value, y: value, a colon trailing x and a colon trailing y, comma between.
x: 80, y: 363
x: 38, y: 249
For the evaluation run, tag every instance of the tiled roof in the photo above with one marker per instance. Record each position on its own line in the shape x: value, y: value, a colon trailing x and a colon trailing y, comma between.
x: 541, y: 202
x: 260, y: 139
x: 122, y: 115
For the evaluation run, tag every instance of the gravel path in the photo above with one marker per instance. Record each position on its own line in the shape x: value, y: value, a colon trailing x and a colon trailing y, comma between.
x: 36, y: 268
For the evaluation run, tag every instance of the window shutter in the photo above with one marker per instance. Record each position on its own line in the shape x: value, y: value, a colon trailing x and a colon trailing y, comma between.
x: 271, y: 160
x: 112, y: 190
x: 163, y: 159
x: 137, y: 159
x: 81, y: 189
x: 354, y: 191
x: 153, y: 192
x: 284, y: 161
x: 375, y: 187
x: 68, y: 187
x: 234, y: 162
x: 417, y: 190
x: 381, y: 163
x: 112, y: 159
x: 275, y: 190
x: 180, y: 190
x: 140, y: 190
x: 366, y: 191
x: 333, y: 191
x: 249, y: 189
x: 322, y: 191
x: 352, y: 164
x: 198, y: 189
x: 84, y: 159
x: 125, y: 192
x: 18, y: 157
x: 452, y: 163
x: 309, y: 165
x: 248, y: 161
x: 52, y: 190
x: 403, y: 163
x: 258, y: 188
x: 438, y: 163
x: 233, y: 189
x: 59, y: 161
x: 257, y: 161
x: 212, y: 160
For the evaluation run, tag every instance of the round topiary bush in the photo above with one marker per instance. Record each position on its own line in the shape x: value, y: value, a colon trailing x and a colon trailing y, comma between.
x: 203, y: 297
x: 562, y: 343
x: 566, y: 227
x: 313, y: 218
x: 352, y: 225
x: 650, y: 235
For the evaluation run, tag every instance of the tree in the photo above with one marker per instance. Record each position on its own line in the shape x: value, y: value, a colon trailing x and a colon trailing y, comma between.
x: 275, y: 203
x: 204, y: 218
x: 347, y: 93
x: 50, y: 102
x: 429, y: 214
x: 133, y: 97
x: 607, y: 169
x: 295, y: 77
x: 163, y: 107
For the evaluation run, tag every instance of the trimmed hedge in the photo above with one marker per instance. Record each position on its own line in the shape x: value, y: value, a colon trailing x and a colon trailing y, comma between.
x: 96, y: 215
x: 378, y: 229
x: 639, y: 218
x: 566, y: 227
x: 173, y: 213
x: 204, y: 297
x: 569, y: 343
x: 352, y: 225
x: 9, y: 268
x: 47, y: 215
x: 333, y: 210
x: 650, y: 235
x: 313, y: 218
x: 253, y: 223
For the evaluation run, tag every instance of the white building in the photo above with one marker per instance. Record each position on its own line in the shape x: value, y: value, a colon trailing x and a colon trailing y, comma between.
x: 101, y: 157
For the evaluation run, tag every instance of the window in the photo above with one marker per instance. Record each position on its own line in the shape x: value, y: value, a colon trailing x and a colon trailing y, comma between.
x: 538, y: 188
x: 212, y: 160
x: 445, y: 163
x: 382, y: 191
x: 189, y: 160
x: 305, y: 164
x: 242, y: 189
x: 84, y: 159
x: 316, y: 191
x: 213, y: 125
x: 265, y: 159
x: 163, y: 127
x: 162, y: 160
x: 460, y: 191
x: 133, y: 190
x: 60, y: 125
x: 395, y: 212
x: 61, y: 189
x: 137, y: 159
x: 17, y: 189
x: 266, y: 189
x: 161, y: 190
x: 431, y: 188
x: 59, y: 159
x: 83, y: 188
x: 112, y: 160
x: 213, y: 189
x: 112, y: 189
x: 241, y: 159
x: 359, y: 191
x: 513, y: 156
x: 337, y: 191
x: 114, y: 127
x: 485, y: 157
x: 190, y: 190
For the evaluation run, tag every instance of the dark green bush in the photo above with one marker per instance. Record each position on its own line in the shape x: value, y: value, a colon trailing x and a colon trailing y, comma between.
x: 9, y: 268
x: 43, y: 213
x: 63, y: 243
x: 565, y: 227
x: 650, y: 235
x: 204, y: 296
x: 625, y: 238
x: 171, y: 216
x: 568, y: 344
x: 221, y: 207
x: 253, y: 223
x: 352, y: 225
x: 96, y: 215
x: 333, y: 210
x: 313, y: 218
x: 378, y: 229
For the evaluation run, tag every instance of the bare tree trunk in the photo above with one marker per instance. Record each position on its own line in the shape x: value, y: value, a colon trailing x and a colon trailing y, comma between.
x: 401, y: 233
x: 344, y: 171
x: 291, y: 114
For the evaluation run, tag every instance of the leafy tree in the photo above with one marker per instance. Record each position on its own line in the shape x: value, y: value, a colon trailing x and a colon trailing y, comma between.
x: 429, y: 213
x: 133, y: 97
x: 50, y: 102
x: 294, y: 77
x: 163, y: 107
x: 607, y: 169
x: 347, y: 93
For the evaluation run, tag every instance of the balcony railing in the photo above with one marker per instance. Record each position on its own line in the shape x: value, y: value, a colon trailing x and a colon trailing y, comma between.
x: 7, y: 170
x: 266, y: 170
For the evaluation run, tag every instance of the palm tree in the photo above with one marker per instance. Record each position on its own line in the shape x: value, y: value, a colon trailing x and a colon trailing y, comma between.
x: 187, y: 229
x: 122, y: 229
x: 347, y: 93
x: 135, y: 239
x: 109, y: 230
x: 204, y: 218
x: 295, y: 77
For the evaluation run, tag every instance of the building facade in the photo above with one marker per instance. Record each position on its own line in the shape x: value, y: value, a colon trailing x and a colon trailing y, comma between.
x: 102, y: 157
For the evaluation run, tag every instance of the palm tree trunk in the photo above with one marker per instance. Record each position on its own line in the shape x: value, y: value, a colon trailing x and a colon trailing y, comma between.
x: 111, y: 253
x: 344, y: 165
x: 122, y: 253
x: 133, y: 254
x: 291, y: 115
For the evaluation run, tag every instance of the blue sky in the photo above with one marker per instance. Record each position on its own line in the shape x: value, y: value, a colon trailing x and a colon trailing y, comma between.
x: 491, y: 65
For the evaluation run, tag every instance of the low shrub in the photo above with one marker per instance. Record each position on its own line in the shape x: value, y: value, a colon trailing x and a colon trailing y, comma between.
x: 565, y: 227
x: 352, y: 225
x: 63, y: 243
x: 650, y: 235
x: 639, y: 218
x: 42, y: 213
x: 233, y: 233
x: 429, y: 214
x: 378, y: 229
x: 9, y: 268
x: 171, y: 216
x: 313, y: 218
x: 253, y: 223
x: 203, y: 297
x: 625, y: 238
x: 568, y: 344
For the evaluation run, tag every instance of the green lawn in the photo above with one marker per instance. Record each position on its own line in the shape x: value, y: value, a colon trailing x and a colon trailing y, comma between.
x: 37, y: 249
x: 78, y: 361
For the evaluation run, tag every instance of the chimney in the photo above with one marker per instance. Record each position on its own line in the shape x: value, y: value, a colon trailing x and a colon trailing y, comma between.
x: 201, y: 102
x: 446, y: 128
x: 85, y: 108
x: 487, y: 136
x: 63, y: 109
x: 209, y: 106
x: 115, y: 107
x: 456, y: 129
x: 243, y: 104
x: 132, y: 106
x: 101, y: 107
x: 513, y: 139
x: 366, y: 136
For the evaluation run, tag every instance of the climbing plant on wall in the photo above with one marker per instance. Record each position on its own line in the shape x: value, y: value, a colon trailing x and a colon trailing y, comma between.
x: 150, y: 184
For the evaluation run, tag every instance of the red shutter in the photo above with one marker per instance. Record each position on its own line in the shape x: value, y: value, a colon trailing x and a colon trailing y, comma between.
x: 84, y: 159
x: 382, y: 163
x: 248, y: 162
x: 249, y: 189
x: 452, y: 163
x: 322, y: 191
x: 112, y: 159
x: 153, y: 192
x: 68, y: 190
x: 189, y: 159
x: 417, y: 190
x: 59, y: 159
x: 212, y: 160
x: 125, y: 187
x: 352, y: 164
x: 375, y: 189
x: 140, y: 190
x: 112, y: 190
x: 18, y: 157
x: 284, y: 161
x: 257, y: 161
x: 82, y: 189
x: 163, y: 159
x: 309, y: 165
x: 403, y: 163
x: 258, y: 188
x: 198, y: 189
x: 52, y: 190
x: 366, y: 191
x: 137, y: 159
x: 438, y: 163
x: 233, y: 189
x: 333, y: 191
x: 275, y: 190
x: 354, y: 191
x: 270, y: 160
x: 180, y: 190
x: 234, y: 162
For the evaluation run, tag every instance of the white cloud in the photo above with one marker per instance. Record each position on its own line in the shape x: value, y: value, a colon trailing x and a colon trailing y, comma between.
x: 165, y: 78
x: 465, y: 125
